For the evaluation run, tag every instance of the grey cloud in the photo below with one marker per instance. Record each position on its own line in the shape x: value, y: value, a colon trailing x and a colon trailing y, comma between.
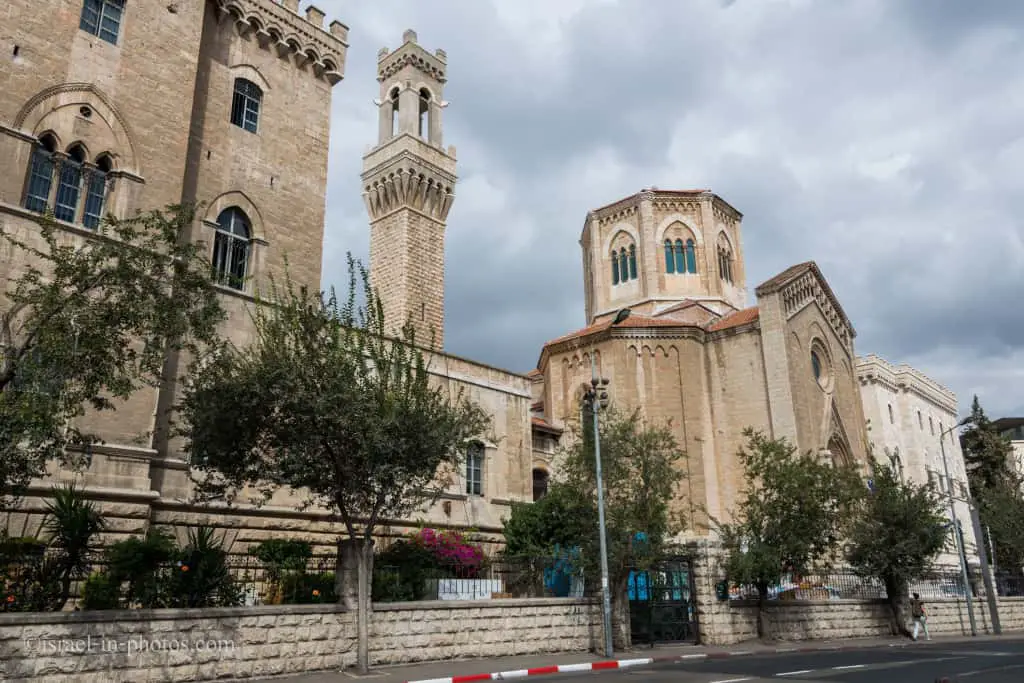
x: 876, y: 138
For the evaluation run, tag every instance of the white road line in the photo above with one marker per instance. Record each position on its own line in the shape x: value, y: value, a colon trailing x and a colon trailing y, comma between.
x: 848, y: 666
x: 796, y: 673
x: 733, y: 680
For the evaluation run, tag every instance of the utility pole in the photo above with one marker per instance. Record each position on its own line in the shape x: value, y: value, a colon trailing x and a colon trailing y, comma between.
x: 596, y: 397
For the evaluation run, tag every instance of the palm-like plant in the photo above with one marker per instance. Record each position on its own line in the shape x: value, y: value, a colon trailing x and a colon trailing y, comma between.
x: 72, y: 523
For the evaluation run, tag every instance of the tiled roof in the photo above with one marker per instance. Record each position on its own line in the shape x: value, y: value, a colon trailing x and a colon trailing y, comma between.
x: 534, y: 373
x: 773, y: 283
x: 634, y: 321
x: 544, y: 424
x: 742, y: 317
x: 539, y: 405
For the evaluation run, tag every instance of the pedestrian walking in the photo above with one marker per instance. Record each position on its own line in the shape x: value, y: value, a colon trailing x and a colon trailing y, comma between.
x: 917, y: 613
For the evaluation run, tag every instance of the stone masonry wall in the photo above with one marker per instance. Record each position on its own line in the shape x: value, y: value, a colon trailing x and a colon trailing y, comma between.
x: 196, y: 645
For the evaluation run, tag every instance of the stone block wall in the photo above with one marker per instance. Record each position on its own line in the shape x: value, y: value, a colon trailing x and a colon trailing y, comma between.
x: 206, y: 644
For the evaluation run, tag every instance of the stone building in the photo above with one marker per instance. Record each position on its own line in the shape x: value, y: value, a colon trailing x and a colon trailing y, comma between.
x: 109, y: 107
x: 692, y: 352
x: 1012, y: 429
x: 912, y: 424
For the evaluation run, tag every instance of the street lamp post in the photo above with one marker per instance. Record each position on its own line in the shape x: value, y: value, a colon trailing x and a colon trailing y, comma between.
x: 960, y: 550
x: 595, y: 397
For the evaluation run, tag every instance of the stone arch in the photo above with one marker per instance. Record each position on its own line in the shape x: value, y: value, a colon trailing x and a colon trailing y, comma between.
x: 616, y: 230
x: 822, y: 363
x: 670, y: 221
x: 839, y: 450
x: 242, y: 201
x: 55, y: 108
x: 249, y: 73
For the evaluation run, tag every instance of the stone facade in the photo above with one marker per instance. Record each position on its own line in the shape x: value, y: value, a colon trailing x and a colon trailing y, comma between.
x: 171, y: 131
x: 1012, y: 428
x: 408, y: 188
x: 911, y: 423
x: 192, y: 645
x: 693, y: 354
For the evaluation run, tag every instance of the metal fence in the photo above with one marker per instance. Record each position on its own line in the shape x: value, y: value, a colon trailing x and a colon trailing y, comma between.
x: 532, y: 577
x: 844, y: 584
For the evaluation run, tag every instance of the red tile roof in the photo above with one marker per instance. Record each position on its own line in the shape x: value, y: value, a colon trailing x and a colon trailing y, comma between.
x: 747, y: 315
x: 544, y: 424
x: 534, y: 373
x: 633, y: 321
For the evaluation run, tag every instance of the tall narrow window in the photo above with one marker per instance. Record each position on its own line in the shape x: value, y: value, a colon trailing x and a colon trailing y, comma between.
x: 623, y: 265
x: 691, y: 257
x: 680, y: 257
x: 670, y: 266
x: 424, y: 113
x: 40, y: 174
x: 245, y: 107
x: 892, y: 418
x: 615, y: 267
x: 70, y: 185
x: 632, y: 262
x: 540, y: 484
x: 475, y: 470
x: 394, y: 111
x: 231, y: 248
x: 96, y: 194
x: 102, y: 18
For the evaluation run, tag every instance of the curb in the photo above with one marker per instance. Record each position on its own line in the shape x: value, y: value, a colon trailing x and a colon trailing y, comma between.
x: 645, y: 661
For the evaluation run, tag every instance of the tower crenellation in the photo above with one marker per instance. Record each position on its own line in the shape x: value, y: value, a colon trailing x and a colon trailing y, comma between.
x: 409, y: 188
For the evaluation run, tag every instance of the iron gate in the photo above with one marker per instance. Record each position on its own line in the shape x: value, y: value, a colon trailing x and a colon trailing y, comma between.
x: 663, y: 603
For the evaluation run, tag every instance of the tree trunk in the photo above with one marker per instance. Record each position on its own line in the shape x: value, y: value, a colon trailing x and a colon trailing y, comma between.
x: 897, y: 608
x: 762, y: 611
x: 354, y: 580
x: 622, y: 635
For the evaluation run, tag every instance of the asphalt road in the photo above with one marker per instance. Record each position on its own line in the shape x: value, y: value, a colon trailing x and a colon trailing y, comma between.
x: 985, y: 662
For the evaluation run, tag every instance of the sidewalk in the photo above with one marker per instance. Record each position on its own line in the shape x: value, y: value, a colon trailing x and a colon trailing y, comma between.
x: 479, y: 669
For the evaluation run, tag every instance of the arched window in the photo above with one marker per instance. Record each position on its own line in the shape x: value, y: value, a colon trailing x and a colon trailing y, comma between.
x: 670, y: 266
x: 475, y: 469
x: 816, y: 365
x: 96, y: 193
x: 231, y: 248
x: 102, y: 18
x: 623, y: 265
x: 424, y: 113
x: 540, y: 484
x: 70, y: 185
x: 615, y: 267
x: 40, y: 174
x: 892, y: 418
x: 632, y: 262
x: 691, y: 257
x: 393, y: 96
x: 245, y: 107
x: 680, y: 257
x: 724, y: 263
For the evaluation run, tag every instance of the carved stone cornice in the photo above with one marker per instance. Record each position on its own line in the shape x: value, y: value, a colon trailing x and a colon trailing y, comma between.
x: 410, y: 54
x: 409, y: 187
x: 808, y: 289
x: 679, y: 206
x: 896, y: 378
x: 279, y: 28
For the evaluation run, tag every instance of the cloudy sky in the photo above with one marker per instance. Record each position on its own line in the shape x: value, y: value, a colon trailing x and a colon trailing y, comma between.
x: 883, y: 139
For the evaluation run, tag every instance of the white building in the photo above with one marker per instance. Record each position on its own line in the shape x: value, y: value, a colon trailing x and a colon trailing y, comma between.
x: 911, y: 421
x: 1012, y: 428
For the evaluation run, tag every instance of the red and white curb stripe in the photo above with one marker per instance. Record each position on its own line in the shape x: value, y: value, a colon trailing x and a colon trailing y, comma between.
x: 541, y: 670
x: 628, y: 663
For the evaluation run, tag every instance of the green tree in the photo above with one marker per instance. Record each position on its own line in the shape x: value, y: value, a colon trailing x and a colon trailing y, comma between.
x: 789, y: 518
x: 987, y: 455
x: 899, y: 529
x: 1001, y: 509
x: 324, y: 402
x: 91, y: 321
x: 641, y: 472
x: 564, y: 517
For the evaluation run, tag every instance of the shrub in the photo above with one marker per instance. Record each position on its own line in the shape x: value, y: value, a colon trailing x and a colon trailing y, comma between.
x: 451, y: 552
x: 100, y: 592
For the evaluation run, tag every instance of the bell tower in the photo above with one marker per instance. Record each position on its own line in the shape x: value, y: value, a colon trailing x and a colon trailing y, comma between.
x: 409, y: 187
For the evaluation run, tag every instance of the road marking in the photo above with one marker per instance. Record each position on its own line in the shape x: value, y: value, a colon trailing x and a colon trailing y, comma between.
x: 796, y: 673
x: 848, y: 666
x: 733, y: 680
